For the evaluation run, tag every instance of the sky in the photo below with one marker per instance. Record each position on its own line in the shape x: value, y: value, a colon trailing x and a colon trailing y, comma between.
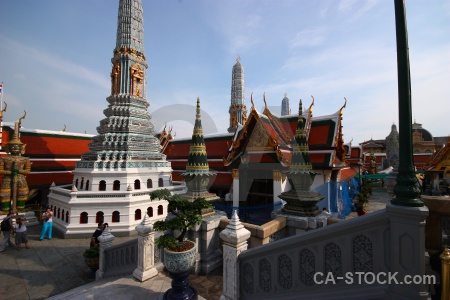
x: 55, y: 61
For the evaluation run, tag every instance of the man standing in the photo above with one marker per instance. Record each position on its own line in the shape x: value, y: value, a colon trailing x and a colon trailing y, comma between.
x: 6, y: 226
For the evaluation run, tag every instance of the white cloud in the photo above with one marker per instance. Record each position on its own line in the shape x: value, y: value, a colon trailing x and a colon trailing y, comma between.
x: 309, y: 38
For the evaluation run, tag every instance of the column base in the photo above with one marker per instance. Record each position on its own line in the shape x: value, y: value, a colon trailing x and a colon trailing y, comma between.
x: 143, y: 276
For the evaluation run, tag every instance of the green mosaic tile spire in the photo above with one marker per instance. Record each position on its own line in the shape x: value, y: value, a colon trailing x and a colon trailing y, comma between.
x: 126, y: 132
x: 301, y: 162
x: 197, y: 159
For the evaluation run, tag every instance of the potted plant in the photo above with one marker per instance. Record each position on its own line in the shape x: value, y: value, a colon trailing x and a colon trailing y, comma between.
x: 92, y: 256
x: 179, y: 253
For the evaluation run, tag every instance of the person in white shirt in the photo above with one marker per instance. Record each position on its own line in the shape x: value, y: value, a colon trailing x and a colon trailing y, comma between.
x: 21, y: 233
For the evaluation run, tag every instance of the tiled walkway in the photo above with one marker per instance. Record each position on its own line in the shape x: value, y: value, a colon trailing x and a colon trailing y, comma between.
x: 56, y: 268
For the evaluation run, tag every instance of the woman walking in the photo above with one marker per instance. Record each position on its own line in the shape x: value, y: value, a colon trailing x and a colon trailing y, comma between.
x: 47, y: 224
x: 21, y: 233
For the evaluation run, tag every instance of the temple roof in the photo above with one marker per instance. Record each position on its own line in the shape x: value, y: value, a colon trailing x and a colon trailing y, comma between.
x: 271, y: 133
x: 440, y: 160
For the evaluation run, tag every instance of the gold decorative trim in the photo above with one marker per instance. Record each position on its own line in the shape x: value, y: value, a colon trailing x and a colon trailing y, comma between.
x: 235, y: 173
x: 276, y: 175
x: 115, y: 79
x: 137, y: 79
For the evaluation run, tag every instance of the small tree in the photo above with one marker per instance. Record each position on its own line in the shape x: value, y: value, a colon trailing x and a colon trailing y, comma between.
x: 185, y: 214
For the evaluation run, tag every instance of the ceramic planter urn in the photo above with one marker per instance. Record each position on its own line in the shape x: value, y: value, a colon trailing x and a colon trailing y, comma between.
x: 179, y: 262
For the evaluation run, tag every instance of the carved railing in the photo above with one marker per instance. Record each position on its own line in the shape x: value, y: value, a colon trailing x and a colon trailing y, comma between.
x: 284, y: 269
x: 121, y: 259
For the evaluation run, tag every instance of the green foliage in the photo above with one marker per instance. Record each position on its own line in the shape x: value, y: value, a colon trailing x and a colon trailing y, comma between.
x: 92, y: 252
x: 363, y: 195
x: 185, y: 214
x: 160, y: 194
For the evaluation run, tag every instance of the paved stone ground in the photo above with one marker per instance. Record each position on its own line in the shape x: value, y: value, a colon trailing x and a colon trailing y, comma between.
x: 57, y: 267
x: 378, y: 200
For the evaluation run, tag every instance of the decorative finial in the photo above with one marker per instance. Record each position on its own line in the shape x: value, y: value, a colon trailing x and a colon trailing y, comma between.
x: 64, y: 129
x: 345, y: 104
x: 21, y: 118
x: 310, y: 107
x: 238, y: 59
x: 300, y: 108
x: 251, y: 100
x: 285, y: 94
x: 3, y: 110
x: 265, y: 103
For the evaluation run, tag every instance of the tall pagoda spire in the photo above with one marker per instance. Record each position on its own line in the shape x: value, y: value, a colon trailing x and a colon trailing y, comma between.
x: 301, y: 161
x: 300, y: 200
x: 285, y: 110
x: 238, y: 110
x: 197, y: 168
x: 125, y: 163
x: 197, y: 159
x: 127, y: 132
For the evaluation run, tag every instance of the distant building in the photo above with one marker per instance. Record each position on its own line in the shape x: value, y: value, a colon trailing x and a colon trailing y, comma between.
x: 285, y: 110
x: 424, y: 145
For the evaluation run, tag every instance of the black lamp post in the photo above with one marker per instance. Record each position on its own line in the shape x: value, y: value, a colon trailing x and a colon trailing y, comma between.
x: 407, y: 191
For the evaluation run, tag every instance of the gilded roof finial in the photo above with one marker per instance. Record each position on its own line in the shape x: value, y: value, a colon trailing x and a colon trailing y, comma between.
x: 345, y: 104
x: 251, y: 100
x: 265, y: 103
x: 3, y: 110
x: 21, y: 118
x: 312, y: 104
x: 64, y: 129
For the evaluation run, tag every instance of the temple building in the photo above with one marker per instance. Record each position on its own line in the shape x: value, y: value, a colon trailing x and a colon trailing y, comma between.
x: 112, y: 181
x: 261, y: 149
x: 424, y: 145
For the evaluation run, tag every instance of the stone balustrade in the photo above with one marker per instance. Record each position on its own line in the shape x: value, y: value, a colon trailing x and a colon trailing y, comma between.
x: 262, y: 234
x: 390, y: 240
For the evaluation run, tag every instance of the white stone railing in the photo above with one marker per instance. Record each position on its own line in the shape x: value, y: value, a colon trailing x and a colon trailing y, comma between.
x: 390, y: 240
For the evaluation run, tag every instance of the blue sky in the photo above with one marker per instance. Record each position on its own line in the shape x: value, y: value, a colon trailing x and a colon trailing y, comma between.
x: 55, y: 60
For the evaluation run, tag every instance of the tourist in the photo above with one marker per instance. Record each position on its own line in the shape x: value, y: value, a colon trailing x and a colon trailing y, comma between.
x: 98, y: 231
x: 47, y: 224
x: 21, y: 233
x: 6, y: 227
x: 324, y: 211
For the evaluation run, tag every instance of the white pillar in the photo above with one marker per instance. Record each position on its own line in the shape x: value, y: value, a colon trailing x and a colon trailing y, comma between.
x: 407, y: 250
x: 146, y: 256
x: 235, y: 174
x: 105, y: 242
x: 277, y: 186
x: 234, y: 238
